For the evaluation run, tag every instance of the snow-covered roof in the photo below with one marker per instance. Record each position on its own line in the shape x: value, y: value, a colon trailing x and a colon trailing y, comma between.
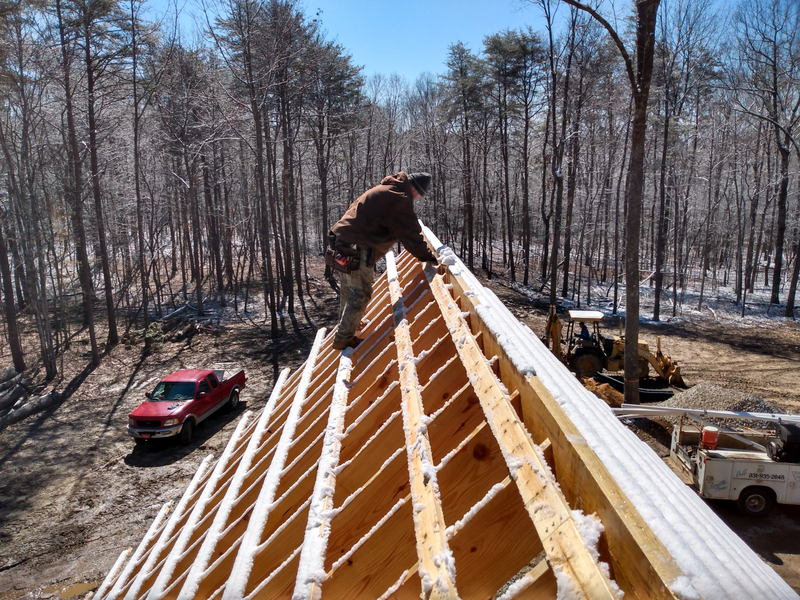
x: 586, y: 315
x: 448, y: 455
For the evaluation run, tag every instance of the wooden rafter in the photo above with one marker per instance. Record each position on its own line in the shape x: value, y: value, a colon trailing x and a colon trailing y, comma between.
x: 424, y: 455
x: 546, y: 506
x: 435, y: 560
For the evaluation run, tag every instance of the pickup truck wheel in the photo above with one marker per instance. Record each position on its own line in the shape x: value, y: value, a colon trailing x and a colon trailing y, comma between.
x: 233, y: 401
x: 186, y: 432
x: 756, y: 501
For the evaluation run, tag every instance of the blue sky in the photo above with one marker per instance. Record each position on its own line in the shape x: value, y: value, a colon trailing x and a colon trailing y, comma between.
x: 411, y: 37
x: 407, y: 37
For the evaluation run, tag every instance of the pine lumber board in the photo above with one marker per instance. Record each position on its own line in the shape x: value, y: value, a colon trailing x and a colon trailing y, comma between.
x: 218, y: 572
x: 366, y: 452
x: 187, y: 545
x: 278, y: 548
x: 427, y: 316
x: 640, y: 564
x: 279, y: 583
x: 473, y: 470
x: 317, y: 530
x: 305, y: 452
x: 495, y: 544
x: 554, y: 523
x: 458, y: 418
x: 437, y: 356
x: 241, y: 482
x: 376, y: 565
x: 375, y: 341
x: 433, y: 552
x: 235, y: 527
x: 368, y: 384
x: 366, y: 508
x: 253, y: 536
x: 448, y: 382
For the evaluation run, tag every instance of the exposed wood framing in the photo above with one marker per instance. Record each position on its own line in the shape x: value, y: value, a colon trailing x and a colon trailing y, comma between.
x: 421, y: 462
x: 435, y: 560
x: 546, y: 506
x: 311, y: 573
x: 640, y: 563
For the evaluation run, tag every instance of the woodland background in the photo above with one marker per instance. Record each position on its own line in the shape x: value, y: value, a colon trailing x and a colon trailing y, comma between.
x: 142, y: 171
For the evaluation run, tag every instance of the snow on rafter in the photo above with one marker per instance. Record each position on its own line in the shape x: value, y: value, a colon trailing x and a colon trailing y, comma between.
x: 452, y: 424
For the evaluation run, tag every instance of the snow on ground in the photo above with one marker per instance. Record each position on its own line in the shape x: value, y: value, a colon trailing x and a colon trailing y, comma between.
x: 719, y: 302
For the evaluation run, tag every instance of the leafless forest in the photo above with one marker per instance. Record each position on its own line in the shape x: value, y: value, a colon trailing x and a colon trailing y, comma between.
x: 142, y: 171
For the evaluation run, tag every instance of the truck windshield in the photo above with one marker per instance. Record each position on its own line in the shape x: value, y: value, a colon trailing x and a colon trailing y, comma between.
x: 167, y: 391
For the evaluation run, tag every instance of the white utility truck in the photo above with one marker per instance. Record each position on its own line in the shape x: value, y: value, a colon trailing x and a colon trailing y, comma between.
x: 757, y: 469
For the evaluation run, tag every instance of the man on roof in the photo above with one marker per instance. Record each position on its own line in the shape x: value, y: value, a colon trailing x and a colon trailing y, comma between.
x: 378, y: 219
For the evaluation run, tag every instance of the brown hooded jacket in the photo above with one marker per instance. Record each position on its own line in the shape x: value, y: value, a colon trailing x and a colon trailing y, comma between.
x: 381, y: 217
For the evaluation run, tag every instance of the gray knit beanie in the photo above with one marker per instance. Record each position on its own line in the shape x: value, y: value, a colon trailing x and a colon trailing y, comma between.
x: 421, y: 182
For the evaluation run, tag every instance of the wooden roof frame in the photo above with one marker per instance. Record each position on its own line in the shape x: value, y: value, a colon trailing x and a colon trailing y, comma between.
x: 424, y: 463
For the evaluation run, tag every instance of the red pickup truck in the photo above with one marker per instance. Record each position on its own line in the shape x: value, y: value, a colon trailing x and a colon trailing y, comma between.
x: 183, y: 400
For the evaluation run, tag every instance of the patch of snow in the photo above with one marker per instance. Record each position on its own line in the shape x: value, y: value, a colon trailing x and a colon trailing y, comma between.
x: 476, y: 508
x: 388, y: 593
x: 111, y: 576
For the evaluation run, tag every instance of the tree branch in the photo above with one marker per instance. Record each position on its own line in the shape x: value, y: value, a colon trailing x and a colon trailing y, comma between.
x: 612, y: 32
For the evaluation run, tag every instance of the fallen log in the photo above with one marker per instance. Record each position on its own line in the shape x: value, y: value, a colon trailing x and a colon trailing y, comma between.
x: 8, y: 384
x: 10, y: 397
x: 184, y: 332
x: 174, y: 313
x: 36, y: 405
x: 7, y: 373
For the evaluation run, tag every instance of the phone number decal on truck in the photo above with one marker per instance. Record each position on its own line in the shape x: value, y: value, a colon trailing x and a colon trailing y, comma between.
x: 766, y: 476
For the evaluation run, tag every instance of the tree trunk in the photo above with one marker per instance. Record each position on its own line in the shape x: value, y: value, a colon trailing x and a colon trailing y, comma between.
x: 10, y: 310
x: 75, y: 195
x: 113, y: 337
x: 663, y: 215
x: 783, y: 194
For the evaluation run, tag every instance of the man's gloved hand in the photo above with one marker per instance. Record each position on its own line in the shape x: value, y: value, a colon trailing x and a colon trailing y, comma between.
x: 430, y: 258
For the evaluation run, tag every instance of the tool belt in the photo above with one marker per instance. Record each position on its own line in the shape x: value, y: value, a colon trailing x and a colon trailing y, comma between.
x: 343, y: 257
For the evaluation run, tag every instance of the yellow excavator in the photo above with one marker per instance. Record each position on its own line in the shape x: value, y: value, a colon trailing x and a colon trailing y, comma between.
x: 591, y: 352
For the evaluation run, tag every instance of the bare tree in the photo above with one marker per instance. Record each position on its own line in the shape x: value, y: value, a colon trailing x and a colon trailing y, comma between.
x: 639, y: 69
x: 767, y: 75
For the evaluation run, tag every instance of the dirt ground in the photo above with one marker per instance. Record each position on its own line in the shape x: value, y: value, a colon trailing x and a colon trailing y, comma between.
x: 75, y: 491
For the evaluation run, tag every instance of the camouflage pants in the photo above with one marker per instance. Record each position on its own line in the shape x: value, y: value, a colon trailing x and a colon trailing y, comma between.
x: 354, y: 295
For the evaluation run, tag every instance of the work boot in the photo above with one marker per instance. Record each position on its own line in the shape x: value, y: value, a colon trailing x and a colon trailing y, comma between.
x: 350, y: 342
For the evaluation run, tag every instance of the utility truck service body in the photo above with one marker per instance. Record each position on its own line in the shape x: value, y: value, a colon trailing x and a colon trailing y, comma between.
x: 181, y: 401
x: 747, y: 475
x: 755, y: 468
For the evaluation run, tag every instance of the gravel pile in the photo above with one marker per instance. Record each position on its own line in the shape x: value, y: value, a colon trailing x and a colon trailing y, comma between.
x: 712, y: 397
